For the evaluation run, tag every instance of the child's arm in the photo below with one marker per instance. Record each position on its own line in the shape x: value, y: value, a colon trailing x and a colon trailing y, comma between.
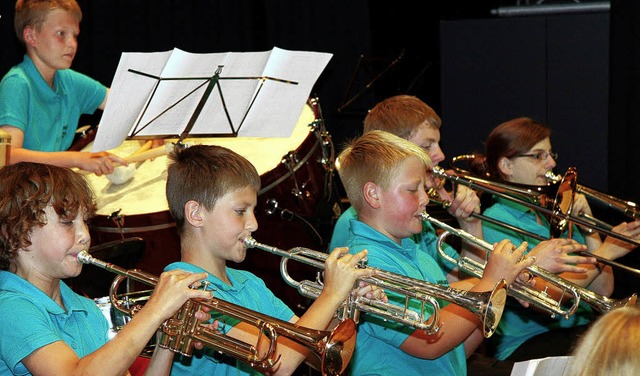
x: 341, y: 273
x: 104, y: 102
x: 98, y: 163
x: 457, y: 323
x: 115, y: 357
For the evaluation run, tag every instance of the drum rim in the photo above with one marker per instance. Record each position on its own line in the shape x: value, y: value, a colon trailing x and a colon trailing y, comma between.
x: 289, y: 173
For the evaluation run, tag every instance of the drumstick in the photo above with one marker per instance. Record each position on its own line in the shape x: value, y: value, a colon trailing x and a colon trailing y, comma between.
x: 146, y: 146
x: 134, y: 158
x: 149, y: 154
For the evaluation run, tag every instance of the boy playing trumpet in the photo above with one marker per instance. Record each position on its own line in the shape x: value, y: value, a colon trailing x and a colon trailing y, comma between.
x: 386, y: 179
x: 47, y: 329
x: 212, y: 194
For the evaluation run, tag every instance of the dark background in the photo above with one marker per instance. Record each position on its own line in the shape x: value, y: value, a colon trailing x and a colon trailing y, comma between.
x: 575, y: 71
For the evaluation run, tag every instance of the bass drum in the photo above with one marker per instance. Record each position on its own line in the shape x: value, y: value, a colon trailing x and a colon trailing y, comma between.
x: 297, y: 204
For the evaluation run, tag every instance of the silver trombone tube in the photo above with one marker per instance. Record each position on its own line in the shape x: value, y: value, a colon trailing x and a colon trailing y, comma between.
x: 488, y: 306
x: 523, y: 291
x: 334, y: 348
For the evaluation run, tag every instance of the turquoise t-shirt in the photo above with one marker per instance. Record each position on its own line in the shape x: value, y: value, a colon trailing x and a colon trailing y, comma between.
x: 246, y: 290
x: 518, y: 324
x: 378, y: 342
x: 30, y: 320
x: 427, y: 239
x: 48, y: 118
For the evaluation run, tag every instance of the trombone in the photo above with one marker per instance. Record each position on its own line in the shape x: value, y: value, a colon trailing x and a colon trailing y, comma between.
x: 538, y: 200
x: 538, y: 196
x: 487, y: 306
x: 628, y: 208
x: 334, y: 348
x: 523, y: 291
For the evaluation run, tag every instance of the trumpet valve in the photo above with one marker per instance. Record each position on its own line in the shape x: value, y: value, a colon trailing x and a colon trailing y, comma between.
x: 178, y: 332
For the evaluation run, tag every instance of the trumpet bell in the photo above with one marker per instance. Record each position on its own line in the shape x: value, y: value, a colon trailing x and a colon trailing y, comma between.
x: 495, y: 307
x: 339, y: 348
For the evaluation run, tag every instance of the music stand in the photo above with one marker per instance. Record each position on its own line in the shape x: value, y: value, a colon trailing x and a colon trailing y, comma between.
x: 211, y: 83
x: 175, y: 93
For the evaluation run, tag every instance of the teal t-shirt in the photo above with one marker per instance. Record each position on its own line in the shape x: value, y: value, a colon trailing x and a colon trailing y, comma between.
x: 518, y: 324
x: 246, y: 290
x: 427, y: 239
x: 30, y: 320
x: 48, y: 118
x: 378, y: 342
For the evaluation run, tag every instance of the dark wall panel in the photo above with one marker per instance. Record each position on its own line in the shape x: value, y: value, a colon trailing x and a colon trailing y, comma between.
x: 578, y: 93
x: 553, y: 69
x: 492, y: 70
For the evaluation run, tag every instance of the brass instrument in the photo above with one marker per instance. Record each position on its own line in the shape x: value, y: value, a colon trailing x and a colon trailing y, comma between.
x: 334, y: 348
x: 523, y: 291
x: 628, y: 208
x: 531, y: 196
x: 536, y: 198
x: 488, y: 306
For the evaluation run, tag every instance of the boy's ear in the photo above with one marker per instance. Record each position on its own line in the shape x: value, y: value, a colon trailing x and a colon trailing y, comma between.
x: 371, y: 195
x: 192, y: 213
x: 28, y: 35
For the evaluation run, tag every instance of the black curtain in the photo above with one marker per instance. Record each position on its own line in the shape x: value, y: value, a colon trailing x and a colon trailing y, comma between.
x: 111, y: 27
x: 624, y: 125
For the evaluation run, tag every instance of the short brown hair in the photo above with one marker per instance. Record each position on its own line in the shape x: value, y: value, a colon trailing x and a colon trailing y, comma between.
x: 204, y: 173
x: 34, y: 12
x: 374, y: 157
x: 401, y: 115
x: 26, y: 190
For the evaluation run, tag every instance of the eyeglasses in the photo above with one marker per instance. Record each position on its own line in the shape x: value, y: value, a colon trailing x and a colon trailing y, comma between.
x: 541, y: 155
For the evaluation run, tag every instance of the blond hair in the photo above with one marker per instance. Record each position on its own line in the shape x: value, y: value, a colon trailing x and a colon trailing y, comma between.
x: 610, y: 346
x: 375, y: 157
x: 34, y: 12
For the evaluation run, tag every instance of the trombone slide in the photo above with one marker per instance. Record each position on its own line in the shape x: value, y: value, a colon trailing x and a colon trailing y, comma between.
x: 525, y: 292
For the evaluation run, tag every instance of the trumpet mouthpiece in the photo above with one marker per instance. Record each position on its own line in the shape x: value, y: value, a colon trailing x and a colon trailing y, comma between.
x: 83, y: 257
x: 249, y: 242
x: 549, y: 175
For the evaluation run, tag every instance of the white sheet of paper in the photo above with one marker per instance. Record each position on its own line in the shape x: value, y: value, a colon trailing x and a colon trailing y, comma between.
x: 140, y: 105
x: 551, y: 366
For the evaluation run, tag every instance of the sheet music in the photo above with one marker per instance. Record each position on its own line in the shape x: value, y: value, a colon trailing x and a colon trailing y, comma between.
x: 551, y: 366
x: 124, y: 94
x: 149, y: 107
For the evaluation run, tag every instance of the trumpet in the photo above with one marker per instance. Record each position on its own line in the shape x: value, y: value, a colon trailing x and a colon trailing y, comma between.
x: 487, y: 306
x: 523, y: 291
x: 334, y: 348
